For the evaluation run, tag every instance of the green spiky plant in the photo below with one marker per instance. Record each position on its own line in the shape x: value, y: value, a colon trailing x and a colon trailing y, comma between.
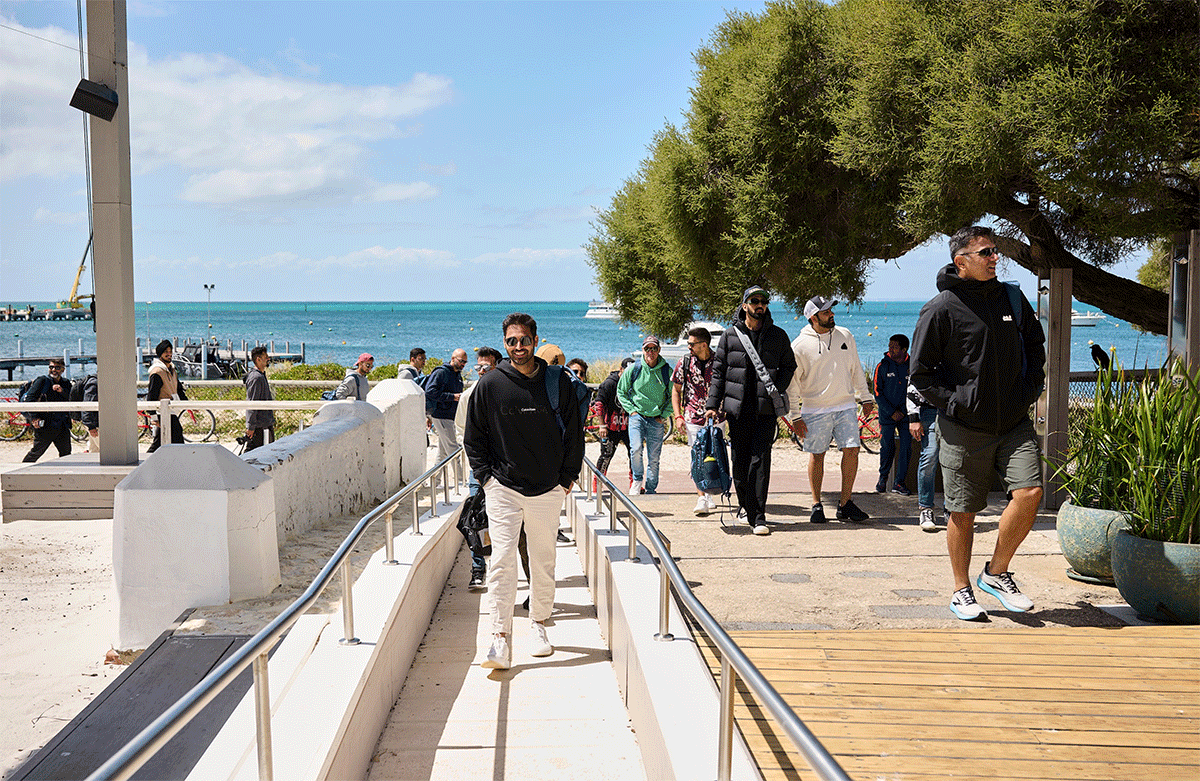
x: 1094, y: 474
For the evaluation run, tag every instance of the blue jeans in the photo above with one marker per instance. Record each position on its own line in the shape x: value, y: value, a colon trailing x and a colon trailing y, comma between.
x: 649, y: 431
x: 888, y: 429
x: 927, y: 467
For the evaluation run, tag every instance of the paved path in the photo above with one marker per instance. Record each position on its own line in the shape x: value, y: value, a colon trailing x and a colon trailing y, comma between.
x: 555, y: 717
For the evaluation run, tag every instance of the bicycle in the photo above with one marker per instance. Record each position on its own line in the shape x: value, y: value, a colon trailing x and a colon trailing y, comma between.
x: 868, y: 431
x: 15, y: 426
x: 198, y: 424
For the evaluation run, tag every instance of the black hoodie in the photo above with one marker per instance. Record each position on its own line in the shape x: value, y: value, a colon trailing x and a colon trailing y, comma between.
x: 512, y: 434
x: 967, y: 354
x: 734, y: 379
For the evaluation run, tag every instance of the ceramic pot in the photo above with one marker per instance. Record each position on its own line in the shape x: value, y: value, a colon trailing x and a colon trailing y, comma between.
x: 1160, y: 580
x: 1086, y: 535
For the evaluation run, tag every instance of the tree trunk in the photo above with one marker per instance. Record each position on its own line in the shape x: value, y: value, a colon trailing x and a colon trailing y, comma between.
x: 1118, y: 296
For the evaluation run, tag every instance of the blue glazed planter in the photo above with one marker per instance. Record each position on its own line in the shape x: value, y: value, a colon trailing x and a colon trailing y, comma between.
x: 1086, y: 535
x: 1160, y: 580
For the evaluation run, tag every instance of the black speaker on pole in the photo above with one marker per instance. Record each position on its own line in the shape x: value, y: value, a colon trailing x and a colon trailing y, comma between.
x: 96, y: 99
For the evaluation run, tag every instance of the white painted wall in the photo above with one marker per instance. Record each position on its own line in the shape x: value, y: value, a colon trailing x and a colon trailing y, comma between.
x: 193, y: 525
x: 402, y: 403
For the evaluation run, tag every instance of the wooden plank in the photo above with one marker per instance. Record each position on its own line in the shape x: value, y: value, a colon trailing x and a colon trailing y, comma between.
x: 971, y: 707
x: 1160, y: 683
x: 19, y: 480
x: 1147, y: 669
x: 47, y: 499
x: 57, y: 514
x: 1075, y: 723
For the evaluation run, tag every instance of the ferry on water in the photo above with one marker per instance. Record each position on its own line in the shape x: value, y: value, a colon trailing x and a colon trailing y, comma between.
x: 601, y: 310
x: 1085, y: 318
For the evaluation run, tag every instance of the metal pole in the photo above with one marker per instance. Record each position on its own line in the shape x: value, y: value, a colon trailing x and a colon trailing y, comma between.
x: 599, y: 494
x: 631, y: 526
x: 587, y: 485
x: 262, y: 714
x: 347, y: 607
x: 612, y: 512
x: 433, y: 513
x: 446, y: 482
x: 388, y: 544
x: 664, y: 598
x: 416, y: 527
x: 725, y: 738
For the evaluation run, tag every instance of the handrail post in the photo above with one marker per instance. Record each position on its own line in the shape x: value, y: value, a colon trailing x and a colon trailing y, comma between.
x: 725, y: 738
x: 587, y: 484
x: 347, y: 606
x: 389, y: 553
x: 599, y: 493
x: 612, y: 511
x: 446, y: 482
x: 631, y: 526
x: 433, y: 513
x: 262, y: 714
x: 664, y: 598
x: 164, y: 420
x: 416, y: 527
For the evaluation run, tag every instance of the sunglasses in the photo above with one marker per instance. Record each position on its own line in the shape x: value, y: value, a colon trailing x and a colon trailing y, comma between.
x: 986, y: 252
x: 759, y: 301
x: 651, y: 348
x: 513, y: 341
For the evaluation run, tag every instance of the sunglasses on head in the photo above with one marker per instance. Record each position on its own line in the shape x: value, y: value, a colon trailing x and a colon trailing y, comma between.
x: 986, y: 252
x: 513, y: 341
x: 759, y: 301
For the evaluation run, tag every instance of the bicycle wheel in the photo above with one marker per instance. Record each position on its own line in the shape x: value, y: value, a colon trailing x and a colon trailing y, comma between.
x: 145, y: 425
x: 670, y: 428
x: 868, y: 433
x: 79, y: 432
x: 198, y: 424
x: 12, y: 426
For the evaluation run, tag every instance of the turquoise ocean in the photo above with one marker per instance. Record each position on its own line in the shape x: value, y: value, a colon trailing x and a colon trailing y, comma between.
x: 339, y: 331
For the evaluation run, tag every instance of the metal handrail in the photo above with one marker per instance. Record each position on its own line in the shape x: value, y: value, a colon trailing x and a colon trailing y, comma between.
x: 733, y: 660
x: 125, y: 762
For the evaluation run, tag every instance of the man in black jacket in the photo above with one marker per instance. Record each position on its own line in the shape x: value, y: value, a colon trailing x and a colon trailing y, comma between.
x: 526, y: 461
x: 748, y: 407
x: 260, y: 423
x: 50, y: 427
x: 978, y: 355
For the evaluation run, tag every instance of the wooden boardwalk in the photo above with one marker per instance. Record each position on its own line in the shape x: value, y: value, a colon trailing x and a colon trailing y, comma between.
x: 1049, y: 703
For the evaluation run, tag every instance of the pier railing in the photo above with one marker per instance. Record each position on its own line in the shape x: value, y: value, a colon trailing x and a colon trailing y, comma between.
x: 734, y: 662
x: 125, y: 762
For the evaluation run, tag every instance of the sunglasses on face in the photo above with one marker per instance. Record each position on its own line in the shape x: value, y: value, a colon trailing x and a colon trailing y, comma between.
x: 986, y: 252
x: 513, y: 341
x: 695, y: 344
x: 759, y: 301
x: 650, y: 349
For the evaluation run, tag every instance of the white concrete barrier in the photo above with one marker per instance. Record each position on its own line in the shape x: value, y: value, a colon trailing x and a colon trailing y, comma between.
x: 402, y: 403
x: 193, y: 525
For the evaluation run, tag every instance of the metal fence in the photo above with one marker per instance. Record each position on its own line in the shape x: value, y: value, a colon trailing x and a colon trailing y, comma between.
x: 1081, y: 395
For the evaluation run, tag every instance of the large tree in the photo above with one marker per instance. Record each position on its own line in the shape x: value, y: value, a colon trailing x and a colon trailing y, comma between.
x: 822, y: 137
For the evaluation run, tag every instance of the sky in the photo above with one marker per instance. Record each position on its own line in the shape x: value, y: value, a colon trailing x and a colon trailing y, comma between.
x: 313, y: 150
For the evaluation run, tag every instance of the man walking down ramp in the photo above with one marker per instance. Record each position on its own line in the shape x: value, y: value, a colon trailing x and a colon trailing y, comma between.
x: 978, y: 355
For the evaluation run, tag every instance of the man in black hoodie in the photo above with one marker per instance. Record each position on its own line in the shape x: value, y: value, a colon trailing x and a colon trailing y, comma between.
x: 526, y: 450
x: 748, y: 406
x: 978, y: 355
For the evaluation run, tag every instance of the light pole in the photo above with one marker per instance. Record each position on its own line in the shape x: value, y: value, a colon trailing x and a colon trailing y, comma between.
x: 148, y: 345
x: 209, y: 289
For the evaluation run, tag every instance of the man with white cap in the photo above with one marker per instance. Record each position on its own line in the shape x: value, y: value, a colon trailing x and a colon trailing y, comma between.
x: 824, y: 395
x: 644, y: 391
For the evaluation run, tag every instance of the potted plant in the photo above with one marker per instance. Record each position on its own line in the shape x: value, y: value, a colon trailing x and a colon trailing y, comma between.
x: 1156, y: 561
x: 1094, y: 477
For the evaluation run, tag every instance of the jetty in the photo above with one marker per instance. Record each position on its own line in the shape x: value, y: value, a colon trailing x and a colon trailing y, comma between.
x: 31, y: 314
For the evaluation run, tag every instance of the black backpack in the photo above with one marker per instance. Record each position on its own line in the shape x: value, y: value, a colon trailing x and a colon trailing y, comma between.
x: 25, y: 394
x: 77, y: 394
x: 473, y: 524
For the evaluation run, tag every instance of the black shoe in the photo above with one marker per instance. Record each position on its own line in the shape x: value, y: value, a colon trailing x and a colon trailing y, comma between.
x: 900, y: 488
x: 818, y: 514
x: 525, y: 604
x: 881, y: 486
x: 562, y: 537
x: 850, y: 512
x: 477, y: 580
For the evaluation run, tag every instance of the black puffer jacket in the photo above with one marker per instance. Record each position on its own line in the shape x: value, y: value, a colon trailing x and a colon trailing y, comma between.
x: 734, y: 378
x: 967, y: 354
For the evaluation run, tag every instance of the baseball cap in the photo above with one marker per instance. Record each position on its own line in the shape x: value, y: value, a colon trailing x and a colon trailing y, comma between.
x: 364, y: 357
x: 754, y: 290
x: 651, y: 340
x: 818, y: 304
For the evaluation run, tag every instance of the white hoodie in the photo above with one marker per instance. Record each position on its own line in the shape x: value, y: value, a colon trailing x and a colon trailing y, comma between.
x: 829, y: 376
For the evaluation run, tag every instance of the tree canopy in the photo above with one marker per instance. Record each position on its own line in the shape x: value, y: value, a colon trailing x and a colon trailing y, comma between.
x: 822, y: 138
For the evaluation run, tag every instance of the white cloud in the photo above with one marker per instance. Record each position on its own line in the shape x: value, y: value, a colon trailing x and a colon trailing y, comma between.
x: 524, y: 257
x: 236, y: 133
x: 414, y: 191
x: 376, y: 258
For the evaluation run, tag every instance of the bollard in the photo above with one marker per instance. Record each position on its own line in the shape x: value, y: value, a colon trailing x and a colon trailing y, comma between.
x: 389, y: 556
x: 80, y: 347
x: 20, y: 348
x: 664, y: 598
x: 262, y: 717
x: 348, y: 637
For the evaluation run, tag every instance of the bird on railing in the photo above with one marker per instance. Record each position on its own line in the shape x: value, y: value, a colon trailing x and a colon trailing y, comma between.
x: 1100, y: 357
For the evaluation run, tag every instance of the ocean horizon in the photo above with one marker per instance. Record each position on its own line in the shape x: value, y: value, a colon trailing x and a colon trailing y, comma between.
x: 338, y: 331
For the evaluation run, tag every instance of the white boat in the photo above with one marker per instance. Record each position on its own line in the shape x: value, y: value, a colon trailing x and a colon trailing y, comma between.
x: 601, y: 310
x: 674, y: 351
x: 1085, y: 318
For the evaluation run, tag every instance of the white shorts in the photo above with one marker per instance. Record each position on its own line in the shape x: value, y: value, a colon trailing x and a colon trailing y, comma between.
x: 825, y: 428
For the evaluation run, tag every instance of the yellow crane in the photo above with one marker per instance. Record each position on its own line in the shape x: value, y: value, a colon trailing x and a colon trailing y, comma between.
x: 74, y: 301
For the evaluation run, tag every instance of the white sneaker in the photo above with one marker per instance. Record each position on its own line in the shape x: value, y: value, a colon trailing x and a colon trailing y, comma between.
x: 499, y: 656
x: 927, y: 523
x: 762, y: 530
x: 539, y: 644
x: 635, y: 487
x: 701, y: 505
x: 711, y: 502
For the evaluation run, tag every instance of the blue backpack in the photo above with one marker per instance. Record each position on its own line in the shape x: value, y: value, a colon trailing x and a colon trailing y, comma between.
x: 710, y: 461
x: 583, y: 395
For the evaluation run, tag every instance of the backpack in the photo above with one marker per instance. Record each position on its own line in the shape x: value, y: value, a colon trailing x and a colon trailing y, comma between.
x: 710, y: 461
x: 583, y: 395
x: 24, y: 394
x: 329, y: 395
x: 637, y: 369
x: 77, y: 394
x: 473, y: 524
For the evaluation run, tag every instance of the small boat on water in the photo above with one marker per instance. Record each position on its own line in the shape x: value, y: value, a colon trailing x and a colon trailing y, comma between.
x: 674, y: 351
x: 601, y: 310
x: 1085, y: 318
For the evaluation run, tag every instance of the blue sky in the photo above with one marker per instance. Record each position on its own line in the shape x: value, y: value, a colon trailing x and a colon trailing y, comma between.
x: 356, y: 150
